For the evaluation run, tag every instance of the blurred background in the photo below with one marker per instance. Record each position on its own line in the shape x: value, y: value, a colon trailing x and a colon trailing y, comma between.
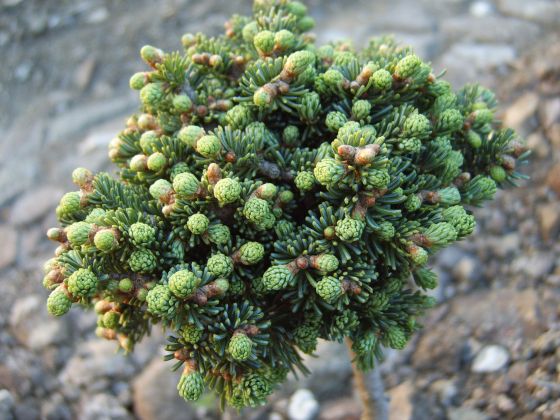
x: 490, y: 350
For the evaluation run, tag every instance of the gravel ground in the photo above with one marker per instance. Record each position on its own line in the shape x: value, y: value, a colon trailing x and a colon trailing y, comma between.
x: 491, y: 350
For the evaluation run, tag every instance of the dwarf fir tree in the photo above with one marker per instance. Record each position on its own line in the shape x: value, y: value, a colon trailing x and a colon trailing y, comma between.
x: 272, y: 192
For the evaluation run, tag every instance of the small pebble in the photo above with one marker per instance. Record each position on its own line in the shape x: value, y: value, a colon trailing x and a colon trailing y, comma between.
x: 490, y: 359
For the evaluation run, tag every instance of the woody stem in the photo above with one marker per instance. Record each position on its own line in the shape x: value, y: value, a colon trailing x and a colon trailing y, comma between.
x: 370, y: 392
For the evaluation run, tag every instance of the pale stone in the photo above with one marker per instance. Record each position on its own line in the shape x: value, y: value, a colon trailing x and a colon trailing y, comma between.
x: 490, y: 359
x: 303, y: 405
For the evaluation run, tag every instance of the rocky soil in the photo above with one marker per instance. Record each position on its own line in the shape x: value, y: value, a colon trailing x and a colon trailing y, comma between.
x: 490, y: 350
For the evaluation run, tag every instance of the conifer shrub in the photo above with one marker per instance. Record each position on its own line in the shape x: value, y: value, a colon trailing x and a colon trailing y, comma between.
x: 272, y: 192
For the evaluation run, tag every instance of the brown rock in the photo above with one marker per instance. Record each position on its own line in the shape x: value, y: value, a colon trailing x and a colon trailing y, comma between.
x: 155, y: 394
x: 440, y: 347
x: 553, y: 179
x: 32, y: 325
x: 84, y: 72
x: 553, y: 134
x: 478, y: 393
x: 8, y: 379
x: 30, y: 240
x: 504, y: 314
x: 8, y: 251
x: 527, y: 305
x: 547, y: 343
x: 549, y: 112
x: 401, y: 406
x: 501, y: 385
x: 342, y: 409
x: 549, y: 220
x: 34, y: 204
x: 521, y: 110
x: 95, y: 362
x: 517, y: 372
x: 538, y: 145
x: 504, y: 403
